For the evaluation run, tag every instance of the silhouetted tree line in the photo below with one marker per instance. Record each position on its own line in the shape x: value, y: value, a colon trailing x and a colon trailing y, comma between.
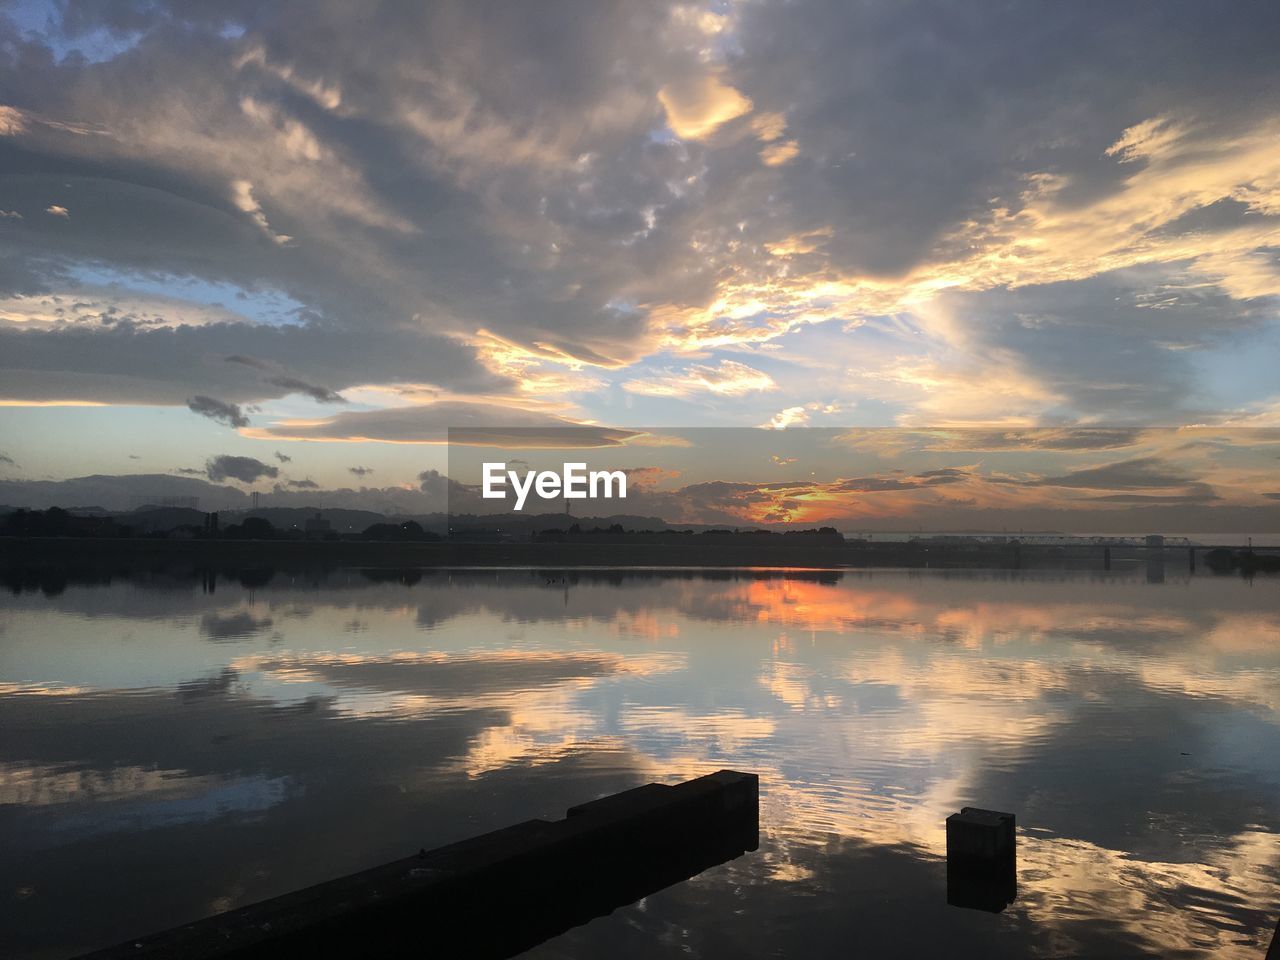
x: 1246, y: 561
x: 408, y: 531
x: 57, y: 522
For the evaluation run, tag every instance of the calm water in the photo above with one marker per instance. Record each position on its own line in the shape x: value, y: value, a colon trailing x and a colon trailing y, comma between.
x: 168, y: 751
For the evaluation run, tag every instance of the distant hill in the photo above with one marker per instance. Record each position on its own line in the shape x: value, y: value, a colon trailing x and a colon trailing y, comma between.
x: 341, y: 520
x: 128, y: 492
x: 118, y: 493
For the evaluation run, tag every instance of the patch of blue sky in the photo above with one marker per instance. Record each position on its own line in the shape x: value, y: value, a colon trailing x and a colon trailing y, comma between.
x: 1239, y: 371
x: 267, y: 306
x: 663, y: 134
x: 40, y: 20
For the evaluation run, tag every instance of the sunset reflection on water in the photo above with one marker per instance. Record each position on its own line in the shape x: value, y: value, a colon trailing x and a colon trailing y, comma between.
x: 279, y: 735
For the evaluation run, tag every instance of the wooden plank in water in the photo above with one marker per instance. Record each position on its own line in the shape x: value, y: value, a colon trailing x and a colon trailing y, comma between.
x: 494, y: 895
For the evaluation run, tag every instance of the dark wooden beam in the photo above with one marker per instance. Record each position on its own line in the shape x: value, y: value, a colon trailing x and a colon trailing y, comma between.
x: 494, y: 895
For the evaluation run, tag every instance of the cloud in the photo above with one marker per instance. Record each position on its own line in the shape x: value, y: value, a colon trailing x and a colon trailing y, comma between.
x: 283, y: 458
x: 307, y: 484
x: 465, y: 422
x: 228, y: 413
x: 441, y: 490
x: 56, y: 211
x: 1040, y: 438
x: 729, y: 378
x: 127, y: 363
x: 927, y: 478
x: 1199, y: 493
x: 1086, y: 234
x: 776, y: 154
x: 644, y: 479
x: 242, y: 197
x: 317, y: 393
x: 246, y: 470
x: 1148, y: 140
x: 790, y: 417
x: 12, y: 121
x: 1137, y: 473
x: 7, y: 460
x: 698, y: 104
x: 360, y: 471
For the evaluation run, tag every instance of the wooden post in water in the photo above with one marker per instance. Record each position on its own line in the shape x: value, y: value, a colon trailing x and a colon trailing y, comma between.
x: 494, y: 895
x: 982, y: 869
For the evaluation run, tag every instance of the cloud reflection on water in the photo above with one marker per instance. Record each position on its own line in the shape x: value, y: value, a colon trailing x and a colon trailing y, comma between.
x: 1134, y: 729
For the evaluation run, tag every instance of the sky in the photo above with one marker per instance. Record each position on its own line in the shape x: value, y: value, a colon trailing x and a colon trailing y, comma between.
x: 315, y: 236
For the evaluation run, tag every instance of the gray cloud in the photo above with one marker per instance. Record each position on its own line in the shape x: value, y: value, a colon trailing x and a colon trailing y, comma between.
x: 228, y: 413
x: 347, y: 198
x: 291, y: 384
x: 1141, y: 472
x: 433, y: 481
x: 1103, y: 346
x: 547, y: 203
x: 283, y: 457
x: 927, y: 478
x: 360, y: 471
x: 317, y: 393
x: 1196, y: 493
x: 246, y: 470
x: 1040, y: 438
x: 167, y: 365
x: 460, y: 421
x: 921, y: 132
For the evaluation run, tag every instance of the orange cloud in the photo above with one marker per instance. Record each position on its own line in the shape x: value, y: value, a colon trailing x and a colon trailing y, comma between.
x: 729, y: 378
x: 696, y: 106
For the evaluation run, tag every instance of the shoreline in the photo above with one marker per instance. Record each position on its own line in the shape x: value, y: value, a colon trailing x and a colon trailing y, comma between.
x: 71, y: 552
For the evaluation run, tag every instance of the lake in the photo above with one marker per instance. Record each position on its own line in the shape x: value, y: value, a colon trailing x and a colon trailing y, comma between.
x: 173, y: 746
